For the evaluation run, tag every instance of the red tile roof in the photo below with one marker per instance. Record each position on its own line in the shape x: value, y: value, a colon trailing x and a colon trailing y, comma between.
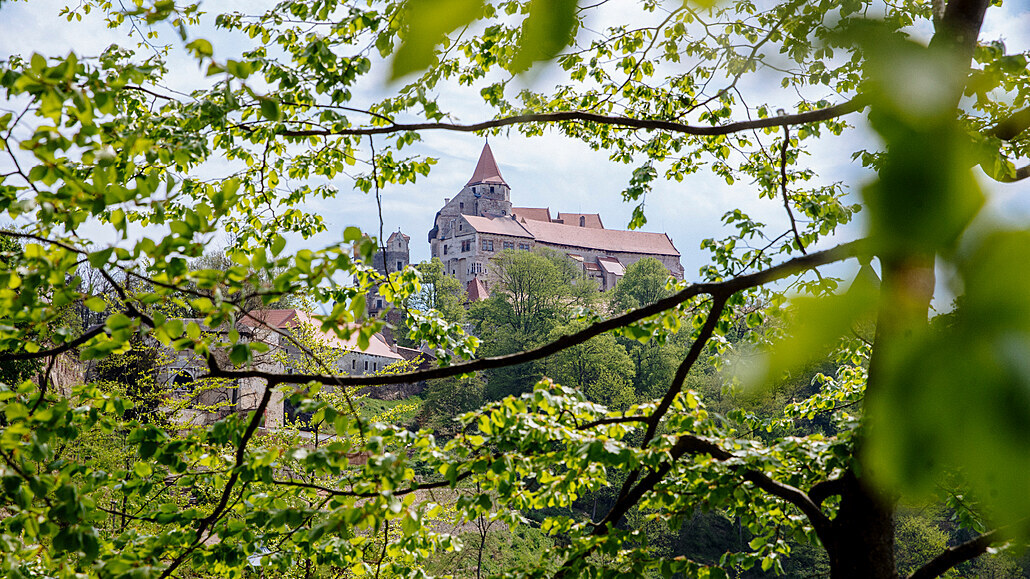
x: 286, y: 319
x: 476, y: 290
x: 498, y: 226
x: 601, y: 239
x: 486, y: 170
x: 532, y: 213
x: 589, y: 219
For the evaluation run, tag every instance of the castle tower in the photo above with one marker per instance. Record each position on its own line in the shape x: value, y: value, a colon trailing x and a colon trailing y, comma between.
x: 394, y: 259
x: 397, y: 256
x: 486, y: 194
x: 488, y: 184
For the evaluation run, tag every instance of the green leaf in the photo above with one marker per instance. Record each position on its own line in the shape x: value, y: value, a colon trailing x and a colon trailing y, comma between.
x: 429, y: 22
x: 351, y: 234
x: 814, y: 328
x: 96, y: 304
x: 548, y: 29
x: 200, y: 48
x: 240, y: 354
x: 142, y: 469
x: 957, y: 397
x: 270, y: 108
x: 278, y: 244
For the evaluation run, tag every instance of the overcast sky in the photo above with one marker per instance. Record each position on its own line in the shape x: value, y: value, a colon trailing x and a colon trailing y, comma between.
x: 548, y: 171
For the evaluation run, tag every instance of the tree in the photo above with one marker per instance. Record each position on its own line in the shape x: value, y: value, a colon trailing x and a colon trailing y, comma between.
x: 600, y: 368
x: 439, y: 292
x: 529, y: 294
x: 17, y: 371
x: 96, y: 142
x: 643, y: 285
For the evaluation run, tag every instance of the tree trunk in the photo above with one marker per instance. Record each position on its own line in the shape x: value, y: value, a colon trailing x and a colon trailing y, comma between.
x: 863, y: 534
x: 862, y: 543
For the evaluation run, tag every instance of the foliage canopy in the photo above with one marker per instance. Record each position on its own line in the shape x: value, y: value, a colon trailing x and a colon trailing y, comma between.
x: 95, y: 143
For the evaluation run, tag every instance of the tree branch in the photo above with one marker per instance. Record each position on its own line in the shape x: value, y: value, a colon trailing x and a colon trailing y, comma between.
x: 1013, y: 126
x: 241, y: 449
x: 783, y: 189
x: 725, y: 288
x: 54, y: 351
x: 826, y: 489
x: 824, y: 114
x: 953, y: 556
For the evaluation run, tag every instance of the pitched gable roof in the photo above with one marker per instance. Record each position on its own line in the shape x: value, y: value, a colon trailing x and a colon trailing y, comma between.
x: 497, y: 225
x: 615, y: 240
x: 532, y: 213
x: 589, y: 219
x: 486, y: 170
x: 286, y: 319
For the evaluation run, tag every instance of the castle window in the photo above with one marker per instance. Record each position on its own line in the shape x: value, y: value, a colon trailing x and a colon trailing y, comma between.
x: 461, y: 205
x: 582, y: 221
x: 491, y: 188
x: 523, y: 247
x: 509, y: 245
x: 183, y: 381
x: 379, y: 304
x: 354, y: 364
x: 445, y: 250
x: 375, y: 366
x: 366, y: 365
x: 488, y: 245
x: 466, y: 245
x: 400, y: 265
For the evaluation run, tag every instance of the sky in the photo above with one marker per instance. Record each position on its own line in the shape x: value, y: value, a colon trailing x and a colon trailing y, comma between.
x: 548, y: 171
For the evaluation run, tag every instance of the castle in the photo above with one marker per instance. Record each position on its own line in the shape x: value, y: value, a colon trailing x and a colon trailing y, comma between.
x: 481, y: 221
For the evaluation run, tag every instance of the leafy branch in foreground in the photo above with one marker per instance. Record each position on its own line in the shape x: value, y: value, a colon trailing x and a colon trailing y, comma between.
x: 95, y: 144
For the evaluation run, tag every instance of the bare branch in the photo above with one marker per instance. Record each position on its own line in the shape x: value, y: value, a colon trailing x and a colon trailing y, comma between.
x: 783, y: 189
x: 953, y: 556
x: 825, y: 114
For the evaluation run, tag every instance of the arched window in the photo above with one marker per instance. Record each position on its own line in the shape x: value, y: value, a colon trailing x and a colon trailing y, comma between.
x: 582, y: 221
x: 183, y: 381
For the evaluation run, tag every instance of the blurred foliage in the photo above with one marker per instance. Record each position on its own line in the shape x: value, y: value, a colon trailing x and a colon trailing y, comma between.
x: 100, y: 147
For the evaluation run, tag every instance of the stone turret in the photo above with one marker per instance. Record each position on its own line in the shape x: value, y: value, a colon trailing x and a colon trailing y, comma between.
x: 397, y: 255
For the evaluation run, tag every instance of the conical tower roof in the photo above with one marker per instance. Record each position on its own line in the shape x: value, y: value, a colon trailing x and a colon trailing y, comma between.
x: 486, y: 170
